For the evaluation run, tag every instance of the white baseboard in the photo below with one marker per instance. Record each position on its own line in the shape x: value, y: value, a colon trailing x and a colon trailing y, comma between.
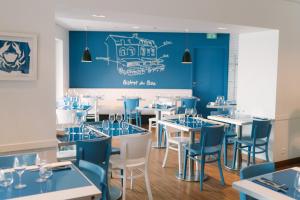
x: 27, y: 146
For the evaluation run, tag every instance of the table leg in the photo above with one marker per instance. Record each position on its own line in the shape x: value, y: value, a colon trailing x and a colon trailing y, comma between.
x: 158, y: 136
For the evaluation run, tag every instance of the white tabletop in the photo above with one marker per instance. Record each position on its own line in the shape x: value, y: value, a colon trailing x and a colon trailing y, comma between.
x: 239, y: 120
x: 156, y: 109
x: 226, y: 106
x: 259, y: 192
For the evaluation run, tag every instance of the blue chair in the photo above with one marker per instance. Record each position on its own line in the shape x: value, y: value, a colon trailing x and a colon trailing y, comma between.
x: 130, y: 111
x: 97, y: 175
x: 255, y: 170
x: 96, y: 151
x: 8, y: 161
x: 259, y: 139
x: 210, y: 145
x: 189, y: 102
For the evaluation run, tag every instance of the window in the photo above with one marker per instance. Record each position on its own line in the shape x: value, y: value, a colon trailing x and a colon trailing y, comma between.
x: 131, y: 51
x: 122, y: 51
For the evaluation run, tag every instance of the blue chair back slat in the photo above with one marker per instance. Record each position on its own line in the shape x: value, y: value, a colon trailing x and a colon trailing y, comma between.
x: 189, y: 103
x: 96, y: 174
x: 95, y: 151
x: 180, y: 110
x: 261, y: 129
x: 131, y: 105
x: 212, y: 137
x: 8, y: 161
x: 255, y: 170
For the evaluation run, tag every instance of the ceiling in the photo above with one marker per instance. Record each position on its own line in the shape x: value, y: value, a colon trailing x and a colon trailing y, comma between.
x: 78, y: 15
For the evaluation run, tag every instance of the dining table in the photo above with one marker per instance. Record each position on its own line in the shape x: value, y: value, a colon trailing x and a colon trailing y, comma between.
x: 239, y: 120
x: 191, y: 125
x: 278, y: 185
x: 158, y: 110
x: 66, y: 182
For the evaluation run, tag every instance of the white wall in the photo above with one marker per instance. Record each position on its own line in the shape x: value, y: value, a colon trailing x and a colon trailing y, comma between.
x: 257, y: 73
x: 27, y: 117
x: 63, y: 34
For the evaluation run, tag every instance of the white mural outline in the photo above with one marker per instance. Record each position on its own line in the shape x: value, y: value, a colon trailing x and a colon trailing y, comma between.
x: 133, y: 55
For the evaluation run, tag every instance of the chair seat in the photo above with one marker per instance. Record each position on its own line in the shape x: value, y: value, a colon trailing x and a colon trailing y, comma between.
x: 196, y: 149
x: 117, y: 163
x: 249, y: 142
x: 178, y: 140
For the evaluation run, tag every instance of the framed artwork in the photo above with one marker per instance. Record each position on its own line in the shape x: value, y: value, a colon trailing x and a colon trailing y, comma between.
x: 18, y: 56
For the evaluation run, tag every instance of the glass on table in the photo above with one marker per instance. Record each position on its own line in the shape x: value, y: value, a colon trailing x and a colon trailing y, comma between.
x: 125, y: 128
x: 6, y: 178
x: 105, y: 125
x: 19, y: 167
x: 45, y: 172
x: 119, y: 118
x: 111, y: 118
x: 181, y: 119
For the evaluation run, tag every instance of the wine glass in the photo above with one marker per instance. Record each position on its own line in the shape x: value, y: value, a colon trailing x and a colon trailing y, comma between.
x: 181, y: 119
x: 119, y: 118
x: 19, y: 168
x: 297, y: 182
x: 6, y: 178
x: 125, y: 127
x: 105, y: 125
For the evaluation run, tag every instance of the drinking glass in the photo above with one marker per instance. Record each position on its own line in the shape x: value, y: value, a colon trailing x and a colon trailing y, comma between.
x: 297, y: 182
x: 42, y: 171
x: 6, y: 178
x: 199, y: 118
x: 125, y: 127
x: 119, y: 118
x: 112, y: 118
x: 181, y: 119
x: 105, y: 125
x: 19, y: 167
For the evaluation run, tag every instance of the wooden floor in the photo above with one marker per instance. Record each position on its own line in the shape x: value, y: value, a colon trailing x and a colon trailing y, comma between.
x: 164, y: 184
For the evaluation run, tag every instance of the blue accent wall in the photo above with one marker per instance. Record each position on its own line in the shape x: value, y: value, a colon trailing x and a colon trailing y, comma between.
x: 138, y: 60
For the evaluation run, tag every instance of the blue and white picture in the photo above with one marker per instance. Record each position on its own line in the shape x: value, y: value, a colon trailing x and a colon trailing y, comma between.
x: 135, y: 55
x: 17, y: 57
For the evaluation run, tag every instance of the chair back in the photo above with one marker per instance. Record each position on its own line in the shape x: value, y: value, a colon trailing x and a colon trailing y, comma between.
x: 95, y: 151
x: 96, y: 174
x: 212, y: 138
x: 180, y: 110
x: 255, y: 170
x: 92, y: 101
x: 189, y: 102
x: 261, y: 129
x: 130, y: 104
x: 135, y: 147
x: 8, y: 161
x: 65, y: 117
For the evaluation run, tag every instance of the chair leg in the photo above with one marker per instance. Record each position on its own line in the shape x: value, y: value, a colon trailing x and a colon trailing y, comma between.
x: 253, y: 154
x: 140, y: 119
x: 249, y: 152
x: 185, y: 163
x: 267, y: 153
x: 220, y: 169
x: 225, y: 151
x: 122, y: 173
x: 124, y: 184
x: 131, y: 180
x: 202, y: 172
x: 150, y: 126
x: 148, y: 186
x: 234, y: 155
x: 166, y: 156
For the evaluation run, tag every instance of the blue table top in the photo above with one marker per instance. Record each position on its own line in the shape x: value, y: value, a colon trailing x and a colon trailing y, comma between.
x: 115, y: 129
x: 78, y: 136
x: 80, y: 107
x: 191, y: 122
x: 286, y: 177
x: 61, y: 180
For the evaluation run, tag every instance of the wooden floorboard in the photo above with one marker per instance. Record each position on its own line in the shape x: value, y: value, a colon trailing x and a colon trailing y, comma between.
x: 164, y: 184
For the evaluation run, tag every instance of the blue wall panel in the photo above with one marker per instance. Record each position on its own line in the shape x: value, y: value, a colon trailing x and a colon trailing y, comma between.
x: 136, y: 60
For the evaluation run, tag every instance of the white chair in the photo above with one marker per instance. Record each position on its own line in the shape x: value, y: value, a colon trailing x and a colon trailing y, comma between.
x: 134, y: 156
x: 93, y: 113
x: 175, y: 143
x: 169, y: 101
x: 66, y: 119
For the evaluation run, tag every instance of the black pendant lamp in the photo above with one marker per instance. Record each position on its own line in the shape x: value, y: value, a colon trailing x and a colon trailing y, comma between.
x: 86, y: 53
x: 187, y: 57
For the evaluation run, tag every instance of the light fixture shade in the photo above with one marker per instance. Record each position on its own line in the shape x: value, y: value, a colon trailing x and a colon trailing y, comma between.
x: 86, y: 56
x: 186, y: 58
